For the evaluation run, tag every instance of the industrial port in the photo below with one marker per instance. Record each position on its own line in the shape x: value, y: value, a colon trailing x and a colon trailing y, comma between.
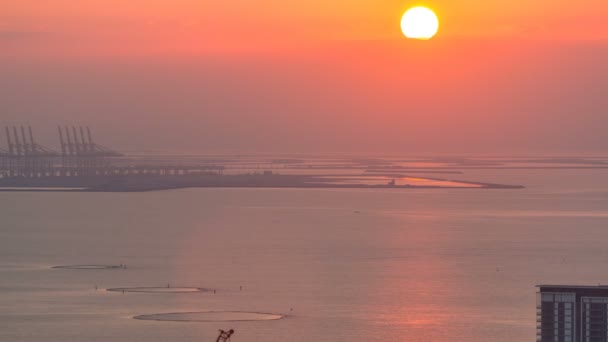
x: 79, y: 156
x: 81, y: 164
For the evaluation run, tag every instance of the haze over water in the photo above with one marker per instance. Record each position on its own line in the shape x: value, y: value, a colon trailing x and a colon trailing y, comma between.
x: 354, y: 265
x: 240, y: 98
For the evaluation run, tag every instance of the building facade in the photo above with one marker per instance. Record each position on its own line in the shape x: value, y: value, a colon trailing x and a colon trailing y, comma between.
x: 572, y: 313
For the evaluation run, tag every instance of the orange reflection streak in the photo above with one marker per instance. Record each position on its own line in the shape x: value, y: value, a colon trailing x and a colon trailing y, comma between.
x: 422, y: 305
x: 435, y: 182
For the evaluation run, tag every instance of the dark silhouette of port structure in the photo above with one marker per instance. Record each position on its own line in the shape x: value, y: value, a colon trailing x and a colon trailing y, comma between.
x: 79, y: 155
x: 84, y: 165
x: 81, y: 162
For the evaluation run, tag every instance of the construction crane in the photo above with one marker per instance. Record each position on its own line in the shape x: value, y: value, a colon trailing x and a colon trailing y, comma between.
x: 225, y: 335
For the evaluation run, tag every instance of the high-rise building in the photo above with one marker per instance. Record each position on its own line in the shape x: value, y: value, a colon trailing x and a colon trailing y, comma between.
x: 572, y: 313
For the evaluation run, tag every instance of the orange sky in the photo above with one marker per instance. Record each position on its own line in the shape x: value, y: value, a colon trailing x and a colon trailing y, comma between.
x: 198, y: 26
x: 326, y: 75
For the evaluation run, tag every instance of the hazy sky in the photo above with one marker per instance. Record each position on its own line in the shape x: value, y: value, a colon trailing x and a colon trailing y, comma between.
x: 312, y: 76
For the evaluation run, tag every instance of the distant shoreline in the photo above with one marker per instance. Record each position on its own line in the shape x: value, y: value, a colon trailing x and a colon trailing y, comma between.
x: 159, y: 183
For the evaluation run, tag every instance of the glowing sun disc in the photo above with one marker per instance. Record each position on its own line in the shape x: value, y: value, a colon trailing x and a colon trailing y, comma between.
x: 419, y: 23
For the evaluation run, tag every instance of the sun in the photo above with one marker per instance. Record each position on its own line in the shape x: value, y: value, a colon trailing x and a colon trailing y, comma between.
x: 419, y: 23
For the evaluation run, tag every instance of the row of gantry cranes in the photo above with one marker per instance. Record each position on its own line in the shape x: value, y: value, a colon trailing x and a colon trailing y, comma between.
x: 79, y: 156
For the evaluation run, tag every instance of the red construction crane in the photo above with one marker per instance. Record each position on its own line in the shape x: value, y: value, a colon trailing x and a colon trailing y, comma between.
x: 225, y: 335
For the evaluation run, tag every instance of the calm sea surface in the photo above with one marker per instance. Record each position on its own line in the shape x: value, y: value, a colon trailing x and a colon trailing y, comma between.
x: 344, y: 265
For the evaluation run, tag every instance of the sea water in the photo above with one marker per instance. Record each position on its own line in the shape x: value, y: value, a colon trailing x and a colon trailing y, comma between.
x: 439, y: 265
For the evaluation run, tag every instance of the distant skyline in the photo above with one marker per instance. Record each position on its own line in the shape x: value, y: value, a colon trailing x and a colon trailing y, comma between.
x: 309, y: 77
